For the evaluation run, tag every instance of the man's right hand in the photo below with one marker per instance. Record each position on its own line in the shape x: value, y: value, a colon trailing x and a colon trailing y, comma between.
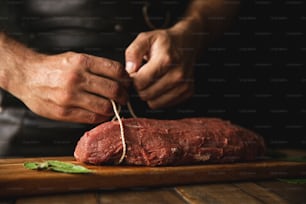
x: 70, y: 87
x: 74, y: 87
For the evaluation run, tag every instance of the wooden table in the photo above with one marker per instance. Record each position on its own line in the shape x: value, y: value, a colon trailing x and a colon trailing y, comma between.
x: 227, y: 193
x: 262, y: 191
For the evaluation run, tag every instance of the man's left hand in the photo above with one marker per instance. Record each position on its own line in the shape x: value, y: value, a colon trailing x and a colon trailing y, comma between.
x: 161, y: 65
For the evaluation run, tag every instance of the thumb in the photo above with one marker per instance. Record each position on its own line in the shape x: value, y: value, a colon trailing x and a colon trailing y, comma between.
x: 136, y: 52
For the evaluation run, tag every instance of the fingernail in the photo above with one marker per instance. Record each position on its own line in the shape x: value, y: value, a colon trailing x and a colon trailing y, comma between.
x: 130, y: 67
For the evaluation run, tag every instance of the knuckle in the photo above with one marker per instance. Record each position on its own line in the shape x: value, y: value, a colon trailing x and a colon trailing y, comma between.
x: 188, y: 90
x: 142, y: 35
x: 164, y: 36
x: 62, y: 112
x: 117, y: 68
x: 179, y: 76
x: 135, y: 46
x: 114, y: 89
x: 106, y: 109
x: 80, y: 59
x: 131, y: 50
x: 139, y: 84
x: 69, y: 54
x: 94, y: 118
x: 65, y: 98
x: 72, y: 80
x: 153, y: 105
x: 167, y: 60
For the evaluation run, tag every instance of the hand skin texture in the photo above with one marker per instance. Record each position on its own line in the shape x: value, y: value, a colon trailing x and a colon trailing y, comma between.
x: 71, y: 86
x: 166, y: 77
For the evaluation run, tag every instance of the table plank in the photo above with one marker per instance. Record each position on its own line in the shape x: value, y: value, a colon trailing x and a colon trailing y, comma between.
x: 239, y: 192
x: 293, y: 193
x: 163, y: 195
x: 216, y: 193
x: 88, y: 198
x: 260, y: 193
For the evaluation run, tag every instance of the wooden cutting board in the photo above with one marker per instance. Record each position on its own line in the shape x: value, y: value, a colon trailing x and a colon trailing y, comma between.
x: 15, y: 180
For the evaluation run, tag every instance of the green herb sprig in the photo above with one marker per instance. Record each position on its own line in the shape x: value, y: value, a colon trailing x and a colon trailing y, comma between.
x: 58, y: 166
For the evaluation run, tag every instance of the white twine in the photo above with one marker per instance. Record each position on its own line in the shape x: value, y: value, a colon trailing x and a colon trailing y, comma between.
x: 121, y: 132
x: 131, y: 110
x: 117, y: 116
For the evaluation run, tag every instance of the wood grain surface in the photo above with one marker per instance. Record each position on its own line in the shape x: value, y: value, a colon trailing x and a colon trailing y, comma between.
x: 15, y: 180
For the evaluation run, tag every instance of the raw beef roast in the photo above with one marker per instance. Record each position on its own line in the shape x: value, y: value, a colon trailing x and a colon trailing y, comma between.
x: 153, y: 142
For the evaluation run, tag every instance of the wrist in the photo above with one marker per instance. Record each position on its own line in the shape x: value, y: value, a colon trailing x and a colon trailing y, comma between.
x: 190, y: 30
x: 4, y: 75
x: 15, y: 60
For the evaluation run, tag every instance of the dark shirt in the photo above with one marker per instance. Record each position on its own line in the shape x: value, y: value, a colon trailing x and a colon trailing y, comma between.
x: 96, y: 27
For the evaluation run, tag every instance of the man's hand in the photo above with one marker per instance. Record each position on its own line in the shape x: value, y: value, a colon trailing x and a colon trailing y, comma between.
x: 74, y: 87
x: 166, y: 78
x: 68, y: 87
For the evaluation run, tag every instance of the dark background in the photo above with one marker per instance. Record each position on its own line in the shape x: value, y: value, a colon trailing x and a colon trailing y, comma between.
x: 255, y: 74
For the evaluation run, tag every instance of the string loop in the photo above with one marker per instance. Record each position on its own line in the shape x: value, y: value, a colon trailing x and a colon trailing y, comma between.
x: 117, y: 116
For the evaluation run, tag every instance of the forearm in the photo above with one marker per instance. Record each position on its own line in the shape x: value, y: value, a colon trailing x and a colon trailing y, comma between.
x: 206, y: 19
x: 3, y: 64
x: 13, y: 59
x: 71, y: 86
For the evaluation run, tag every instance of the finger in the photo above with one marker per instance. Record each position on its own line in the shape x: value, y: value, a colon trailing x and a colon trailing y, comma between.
x: 136, y: 52
x: 172, y: 97
x: 107, y: 68
x: 149, y: 73
x: 94, y: 103
x: 71, y: 114
x: 168, y: 81
x: 83, y: 116
x: 106, y: 88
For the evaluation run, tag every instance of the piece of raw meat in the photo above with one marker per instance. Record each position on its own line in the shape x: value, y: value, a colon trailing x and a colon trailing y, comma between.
x: 152, y: 142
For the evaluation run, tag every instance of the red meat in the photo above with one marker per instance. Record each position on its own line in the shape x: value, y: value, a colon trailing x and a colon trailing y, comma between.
x: 152, y: 142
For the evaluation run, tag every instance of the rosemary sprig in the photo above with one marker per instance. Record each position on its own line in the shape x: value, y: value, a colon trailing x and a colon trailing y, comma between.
x: 58, y: 166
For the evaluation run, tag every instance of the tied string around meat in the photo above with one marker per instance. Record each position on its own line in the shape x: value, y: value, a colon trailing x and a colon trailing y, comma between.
x: 117, y: 116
